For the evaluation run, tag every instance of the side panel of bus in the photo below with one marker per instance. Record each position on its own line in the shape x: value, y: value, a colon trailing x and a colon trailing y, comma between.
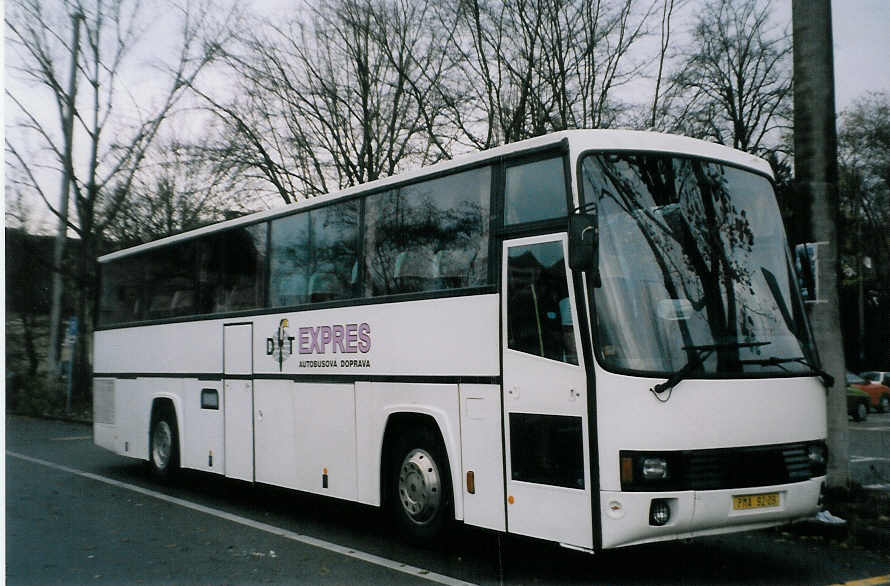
x: 314, y: 429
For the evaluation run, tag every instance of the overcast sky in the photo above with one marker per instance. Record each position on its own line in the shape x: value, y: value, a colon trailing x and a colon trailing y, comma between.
x: 861, y: 31
x: 861, y: 48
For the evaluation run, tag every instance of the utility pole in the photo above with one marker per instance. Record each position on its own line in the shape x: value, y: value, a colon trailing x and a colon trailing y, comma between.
x: 55, y: 317
x: 816, y: 174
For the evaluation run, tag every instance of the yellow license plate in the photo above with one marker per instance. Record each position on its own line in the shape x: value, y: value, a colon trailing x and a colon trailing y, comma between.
x: 755, y: 501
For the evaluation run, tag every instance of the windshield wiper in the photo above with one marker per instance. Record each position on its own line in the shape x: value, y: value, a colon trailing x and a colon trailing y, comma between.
x: 827, y: 379
x: 702, y: 353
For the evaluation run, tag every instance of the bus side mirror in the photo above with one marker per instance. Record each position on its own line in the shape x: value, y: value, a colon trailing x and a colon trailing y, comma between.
x: 806, y: 258
x: 584, y: 244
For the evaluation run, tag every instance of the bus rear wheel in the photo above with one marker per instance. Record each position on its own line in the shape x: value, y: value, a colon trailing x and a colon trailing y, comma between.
x: 163, y: 453
x: 420, y: 493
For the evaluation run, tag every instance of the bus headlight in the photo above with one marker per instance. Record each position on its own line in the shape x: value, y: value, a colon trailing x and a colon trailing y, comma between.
x: 649, y: 470
x: 655, y: 468
x: 817, y: 454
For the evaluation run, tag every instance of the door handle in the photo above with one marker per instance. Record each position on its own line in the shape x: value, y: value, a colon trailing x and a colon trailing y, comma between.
x: 574, y: 395
x: 513, y: 392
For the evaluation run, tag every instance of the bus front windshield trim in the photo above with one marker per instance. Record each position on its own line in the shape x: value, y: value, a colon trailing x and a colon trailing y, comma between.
x: 692, y: 253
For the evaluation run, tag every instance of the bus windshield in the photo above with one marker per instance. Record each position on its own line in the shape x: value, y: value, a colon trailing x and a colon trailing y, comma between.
x: 692, y: 253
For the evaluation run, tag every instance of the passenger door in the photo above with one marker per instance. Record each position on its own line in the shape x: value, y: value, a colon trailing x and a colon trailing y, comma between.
x: 545, y: 395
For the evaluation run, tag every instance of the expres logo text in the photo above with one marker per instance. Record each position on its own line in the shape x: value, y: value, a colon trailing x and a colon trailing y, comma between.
x: 344, y: 339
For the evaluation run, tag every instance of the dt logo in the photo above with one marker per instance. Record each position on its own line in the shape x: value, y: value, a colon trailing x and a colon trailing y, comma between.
x: 281, y: 345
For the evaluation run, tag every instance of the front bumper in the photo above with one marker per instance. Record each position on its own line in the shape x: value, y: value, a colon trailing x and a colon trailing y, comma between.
x: 625, y: 515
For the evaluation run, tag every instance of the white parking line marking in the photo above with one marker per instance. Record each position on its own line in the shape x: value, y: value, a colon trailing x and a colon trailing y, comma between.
x: 320, y: 543
x: 859, y: 459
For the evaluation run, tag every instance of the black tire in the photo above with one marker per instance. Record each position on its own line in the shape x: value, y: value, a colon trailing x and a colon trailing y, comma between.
x: 163, y: 445
x: 861, y: 413
x: 420, y: 497
x: 884, y: 404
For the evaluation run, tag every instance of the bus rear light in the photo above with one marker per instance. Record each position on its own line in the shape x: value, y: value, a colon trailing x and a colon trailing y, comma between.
x: 659, y: 512
x: 471, y: 482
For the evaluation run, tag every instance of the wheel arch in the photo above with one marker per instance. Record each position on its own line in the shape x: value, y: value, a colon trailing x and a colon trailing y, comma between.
x: 400, y: 419
x: 160, y: 403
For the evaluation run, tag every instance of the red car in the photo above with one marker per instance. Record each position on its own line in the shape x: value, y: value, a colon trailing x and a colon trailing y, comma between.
x: 878, y: 393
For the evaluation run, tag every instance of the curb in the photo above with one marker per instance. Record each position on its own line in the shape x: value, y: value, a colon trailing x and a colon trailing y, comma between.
x: 62, y: 418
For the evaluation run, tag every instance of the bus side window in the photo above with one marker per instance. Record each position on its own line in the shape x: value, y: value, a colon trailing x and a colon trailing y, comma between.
x: 333, y: 252
x: 535, y: 191
x: 290, y: 260
x: 243, y: 279
x: 429, y: 236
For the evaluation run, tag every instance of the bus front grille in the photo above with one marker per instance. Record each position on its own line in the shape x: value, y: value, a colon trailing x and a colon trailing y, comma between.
x: 723, y: 468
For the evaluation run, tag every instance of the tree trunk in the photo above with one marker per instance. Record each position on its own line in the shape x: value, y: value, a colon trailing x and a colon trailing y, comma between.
x: 59, y: 249
x: 815, y: 163
x: 29, y: 330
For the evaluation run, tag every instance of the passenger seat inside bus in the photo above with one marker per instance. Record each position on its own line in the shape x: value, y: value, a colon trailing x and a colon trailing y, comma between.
x: 325, y: 286
x: 455, y: 267
x: 414, y: 272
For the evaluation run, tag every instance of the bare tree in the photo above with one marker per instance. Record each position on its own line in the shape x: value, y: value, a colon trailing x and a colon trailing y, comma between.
x: 733, y: 85
x: 864, y: 213
x: 864, y: 165
x: 336, y: 99
x: 535, y: 66
x: 178, y: 188
x: 667, y: 12
x: 111, y: 131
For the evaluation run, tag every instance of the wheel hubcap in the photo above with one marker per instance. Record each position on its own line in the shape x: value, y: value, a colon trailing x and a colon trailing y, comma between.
x: 162, y: 445
x: 419, y: 486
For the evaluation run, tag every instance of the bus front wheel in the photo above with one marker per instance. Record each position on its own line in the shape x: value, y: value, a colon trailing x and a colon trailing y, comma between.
x: 163, y: 456
x: 420, y: 496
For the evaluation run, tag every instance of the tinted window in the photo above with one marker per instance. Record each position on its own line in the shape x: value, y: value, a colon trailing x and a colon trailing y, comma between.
x: 122, y: 297
x: 314, y: 256
x: 209, y: 252
x: 241, y: 284
x: 170, y: 281
x: 428, y: 236
x: 539, y: 317
x: 547, y: 449
x: 290, y: 260
x: 855, y: 379
x: 535, y: 191
x: 333, y: 255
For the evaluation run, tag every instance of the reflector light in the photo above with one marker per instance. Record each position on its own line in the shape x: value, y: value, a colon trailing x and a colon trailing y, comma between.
x: 471, y: 482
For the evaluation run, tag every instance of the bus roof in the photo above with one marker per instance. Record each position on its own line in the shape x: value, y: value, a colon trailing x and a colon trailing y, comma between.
x: 578, y: 142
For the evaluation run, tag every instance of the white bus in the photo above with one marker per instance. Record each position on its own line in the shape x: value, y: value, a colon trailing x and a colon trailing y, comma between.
x: 590, y: 337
